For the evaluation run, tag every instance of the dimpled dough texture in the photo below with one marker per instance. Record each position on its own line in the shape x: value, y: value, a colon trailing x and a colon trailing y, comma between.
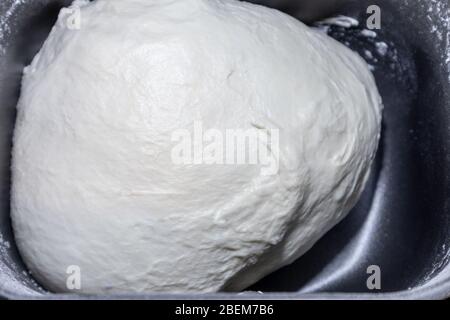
x: 94, y: 181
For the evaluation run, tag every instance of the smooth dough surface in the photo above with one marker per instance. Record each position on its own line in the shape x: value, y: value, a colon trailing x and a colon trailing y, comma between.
x: 93, y: 181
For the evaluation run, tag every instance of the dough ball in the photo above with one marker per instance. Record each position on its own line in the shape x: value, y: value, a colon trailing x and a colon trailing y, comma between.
x: 95, y: 186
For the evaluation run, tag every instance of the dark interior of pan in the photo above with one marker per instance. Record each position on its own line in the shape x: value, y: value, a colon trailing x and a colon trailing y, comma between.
x: 401, y: 224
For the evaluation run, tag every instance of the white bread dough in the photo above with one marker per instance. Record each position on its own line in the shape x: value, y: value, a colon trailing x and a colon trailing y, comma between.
x: 93, y: 181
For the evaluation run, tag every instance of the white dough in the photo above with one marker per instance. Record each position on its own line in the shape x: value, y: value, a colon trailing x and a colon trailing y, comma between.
x: 94, y: 185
